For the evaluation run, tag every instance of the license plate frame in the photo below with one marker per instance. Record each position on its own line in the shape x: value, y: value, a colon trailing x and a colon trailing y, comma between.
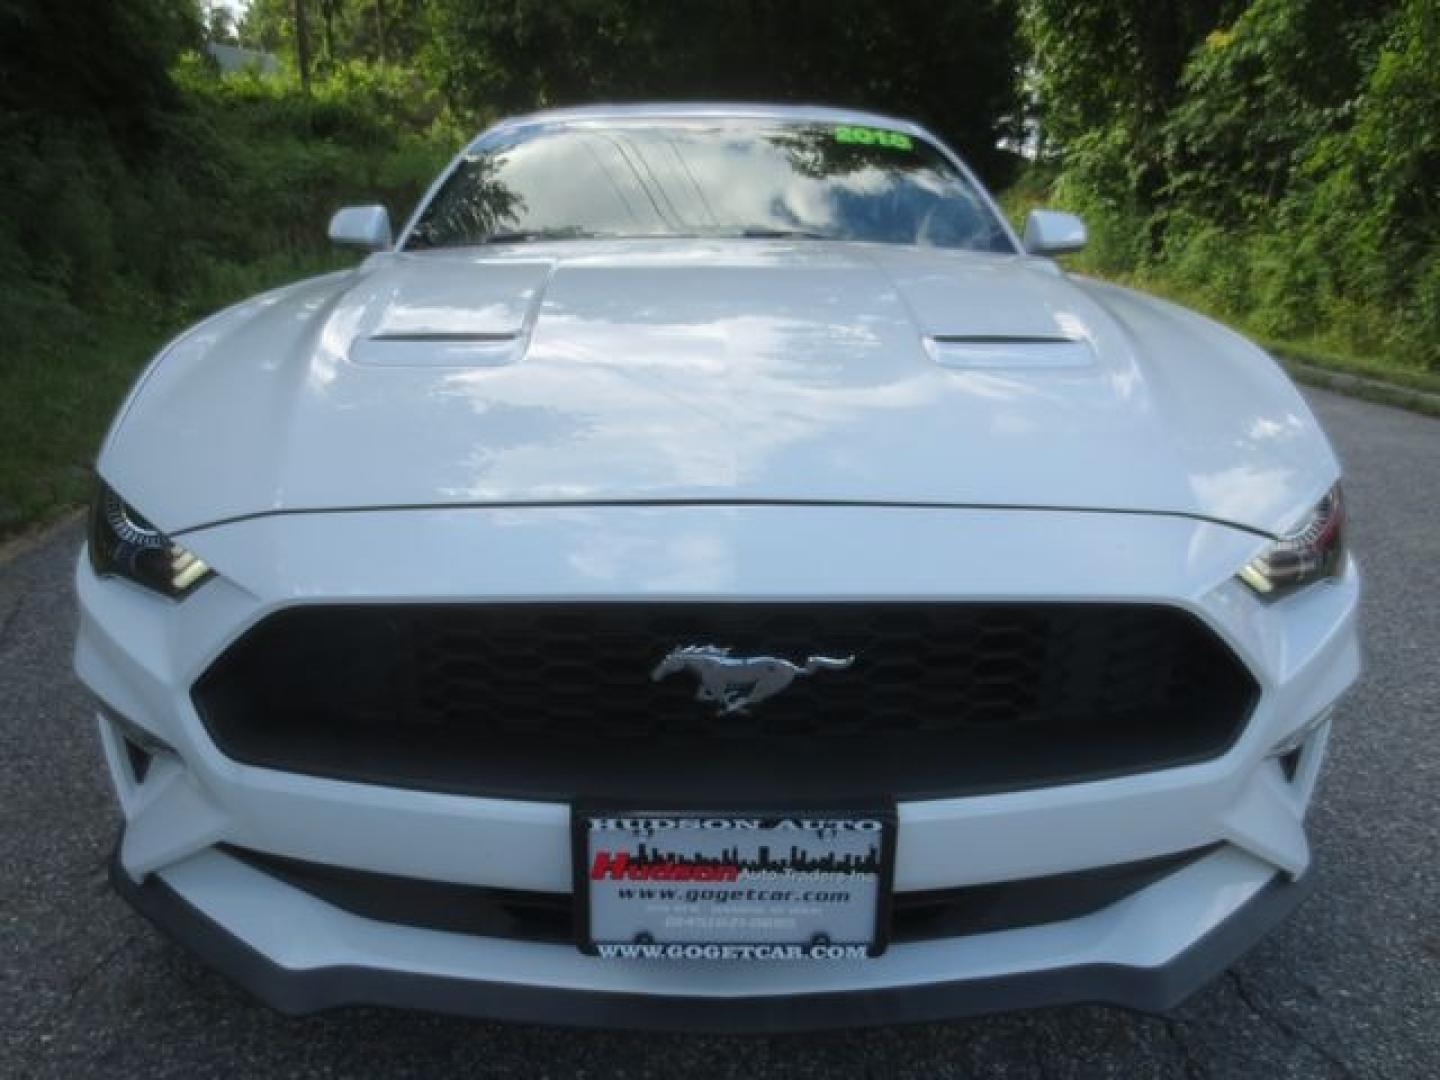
x: 597, y: 901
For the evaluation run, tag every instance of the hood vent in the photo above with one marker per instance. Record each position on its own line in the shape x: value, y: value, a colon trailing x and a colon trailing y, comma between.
x: 976, y: 352
x: 427, y: 349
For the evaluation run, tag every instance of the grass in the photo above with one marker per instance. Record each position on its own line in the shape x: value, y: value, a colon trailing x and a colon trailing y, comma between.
x: 1306, y: 358
x: 115, y: 242
x: 54, y: 412
x: 1358, y: 383
x: 55, y: 408
x: 1310, y: 353
x: 1317, y: 363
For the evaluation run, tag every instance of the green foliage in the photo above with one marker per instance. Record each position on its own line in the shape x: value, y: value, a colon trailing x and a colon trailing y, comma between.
x: 495, y: 58
x: 248, y: 169
x: 98, y: 62
x: 1255, y: 94
x: 124, y: 223
x: 1104, y: 63
x: 1287, y: 175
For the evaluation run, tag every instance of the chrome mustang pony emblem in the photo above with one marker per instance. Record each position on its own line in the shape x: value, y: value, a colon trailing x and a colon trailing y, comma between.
x: 734, y: 683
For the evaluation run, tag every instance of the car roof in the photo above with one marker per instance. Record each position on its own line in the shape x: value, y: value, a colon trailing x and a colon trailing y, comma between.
x: 711, y: 110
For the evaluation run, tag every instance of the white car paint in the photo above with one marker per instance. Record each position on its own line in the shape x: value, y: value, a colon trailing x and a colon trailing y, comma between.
x: 711, y: 420
x: 712, y: 370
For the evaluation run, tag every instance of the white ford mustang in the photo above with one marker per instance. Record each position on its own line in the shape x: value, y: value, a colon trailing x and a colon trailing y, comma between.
x: 709, y: 572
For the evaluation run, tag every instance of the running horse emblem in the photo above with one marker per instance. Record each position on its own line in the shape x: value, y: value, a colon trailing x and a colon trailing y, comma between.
x: 734, y: 683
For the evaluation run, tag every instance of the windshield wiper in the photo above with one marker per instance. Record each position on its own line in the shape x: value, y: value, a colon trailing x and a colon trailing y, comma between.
x: 782, y: 234
x: 530, y: 235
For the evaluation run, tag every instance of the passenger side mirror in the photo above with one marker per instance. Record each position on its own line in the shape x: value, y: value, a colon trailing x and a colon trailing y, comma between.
x: 1053, y: 232
x: 362, y: 226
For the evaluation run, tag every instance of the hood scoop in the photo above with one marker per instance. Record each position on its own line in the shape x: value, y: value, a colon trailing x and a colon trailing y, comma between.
x: 418, y: 312
x: 1000, y: 352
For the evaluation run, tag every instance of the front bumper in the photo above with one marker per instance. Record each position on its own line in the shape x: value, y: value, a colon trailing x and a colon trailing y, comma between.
x: 216, y: 930
x: 141, y: 654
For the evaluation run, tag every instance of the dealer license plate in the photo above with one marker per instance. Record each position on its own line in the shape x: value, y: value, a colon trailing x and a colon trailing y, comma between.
x: 733, y: 886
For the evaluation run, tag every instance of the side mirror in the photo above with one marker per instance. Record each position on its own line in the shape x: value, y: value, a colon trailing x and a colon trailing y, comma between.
x: 362, y: 226
x: 1053, y: 232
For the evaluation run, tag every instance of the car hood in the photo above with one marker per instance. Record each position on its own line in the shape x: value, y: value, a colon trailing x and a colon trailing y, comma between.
x: 713, y: 371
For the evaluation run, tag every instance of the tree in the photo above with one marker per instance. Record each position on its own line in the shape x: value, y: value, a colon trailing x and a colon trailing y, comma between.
x: 329, y: 11
x: 387, y: 31
x: 1112, y: 62
x: 89, y: 61
x: 950, y: 63
x: 1253, y: 94
x: 302, y: 43
x: 381, y: 44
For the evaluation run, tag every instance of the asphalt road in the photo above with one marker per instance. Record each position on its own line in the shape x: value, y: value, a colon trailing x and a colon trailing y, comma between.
x: 1350, y: 987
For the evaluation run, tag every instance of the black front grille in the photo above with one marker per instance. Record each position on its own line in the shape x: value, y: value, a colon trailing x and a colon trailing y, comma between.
x: 557, y: 701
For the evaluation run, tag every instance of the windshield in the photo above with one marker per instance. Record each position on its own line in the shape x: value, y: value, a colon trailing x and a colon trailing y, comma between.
x: 708, y: 178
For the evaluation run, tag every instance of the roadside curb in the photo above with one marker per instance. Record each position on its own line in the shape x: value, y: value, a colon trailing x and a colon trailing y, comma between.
x: 1384, y: 393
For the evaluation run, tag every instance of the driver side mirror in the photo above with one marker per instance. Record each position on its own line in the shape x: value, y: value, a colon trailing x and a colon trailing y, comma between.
x: 1053, y: 232
x: 362, y: 226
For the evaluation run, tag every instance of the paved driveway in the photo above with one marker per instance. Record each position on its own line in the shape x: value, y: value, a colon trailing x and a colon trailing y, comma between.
x: 1350, y: 987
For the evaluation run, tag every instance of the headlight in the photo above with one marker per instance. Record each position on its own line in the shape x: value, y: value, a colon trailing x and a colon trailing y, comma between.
x: 1313, y: 552
x: 123, y: 543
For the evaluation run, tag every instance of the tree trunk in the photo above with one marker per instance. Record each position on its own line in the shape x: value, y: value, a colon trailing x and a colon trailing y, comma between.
x: 327, y: 12
x: 302, y: 44
x: 380, y: 43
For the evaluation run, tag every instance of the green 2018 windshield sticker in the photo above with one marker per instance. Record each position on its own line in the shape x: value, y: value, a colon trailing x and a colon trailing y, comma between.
x: 867, y: 136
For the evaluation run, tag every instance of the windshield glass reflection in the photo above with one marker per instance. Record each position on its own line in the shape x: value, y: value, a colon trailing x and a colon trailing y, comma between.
x: 732, y: 179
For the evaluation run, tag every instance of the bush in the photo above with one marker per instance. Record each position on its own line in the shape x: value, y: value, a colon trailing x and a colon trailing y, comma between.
x: 106, y: 249
x: 1289, y: 178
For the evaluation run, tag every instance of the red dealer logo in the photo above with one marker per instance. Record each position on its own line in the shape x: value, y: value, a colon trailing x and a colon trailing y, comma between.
x: 618, y: 867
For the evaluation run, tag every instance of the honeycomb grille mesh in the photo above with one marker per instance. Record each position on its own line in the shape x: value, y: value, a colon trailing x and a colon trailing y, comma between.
x: 375, y: 690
